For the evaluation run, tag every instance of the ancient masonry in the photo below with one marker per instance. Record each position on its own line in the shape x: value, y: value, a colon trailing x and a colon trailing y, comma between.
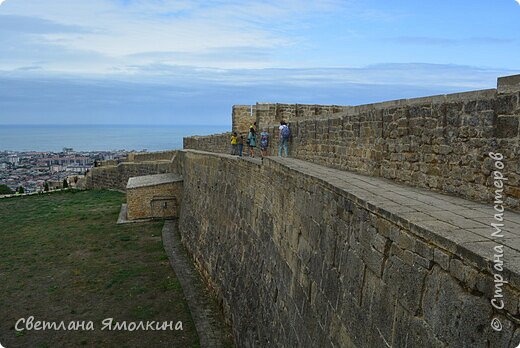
x: 376, y: 232
x: 154, y: 196
x: 115, y: 174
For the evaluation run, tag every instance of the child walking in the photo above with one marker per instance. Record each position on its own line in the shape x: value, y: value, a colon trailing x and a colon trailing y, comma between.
x: 234, y: 144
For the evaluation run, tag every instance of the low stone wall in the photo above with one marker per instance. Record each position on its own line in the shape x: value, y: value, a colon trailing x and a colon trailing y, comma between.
x: 151, y: 156
x: 116, y: 177
x: 220, y: 143
x: 300, y: 258
x: 111, y: 162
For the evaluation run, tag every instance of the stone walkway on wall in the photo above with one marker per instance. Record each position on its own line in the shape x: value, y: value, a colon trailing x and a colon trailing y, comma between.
x: 457, y: 225
x: 460, y: 226
x: 209, y: 321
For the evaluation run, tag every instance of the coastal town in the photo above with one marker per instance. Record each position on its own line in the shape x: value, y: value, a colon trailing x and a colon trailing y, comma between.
x: 31, y: 171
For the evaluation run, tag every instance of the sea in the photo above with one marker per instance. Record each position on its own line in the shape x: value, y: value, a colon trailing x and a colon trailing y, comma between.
x: 99, y: 137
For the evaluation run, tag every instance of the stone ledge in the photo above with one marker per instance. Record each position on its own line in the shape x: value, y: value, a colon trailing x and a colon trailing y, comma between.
x: 217, y: 135
x: 454, y: 224
x: 152, y: 180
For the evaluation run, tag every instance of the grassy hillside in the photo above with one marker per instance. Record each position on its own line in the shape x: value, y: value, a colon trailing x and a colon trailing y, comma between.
x: 63, y: 258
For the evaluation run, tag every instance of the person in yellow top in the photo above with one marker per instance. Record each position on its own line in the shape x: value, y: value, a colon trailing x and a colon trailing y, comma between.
x: 234, y: 144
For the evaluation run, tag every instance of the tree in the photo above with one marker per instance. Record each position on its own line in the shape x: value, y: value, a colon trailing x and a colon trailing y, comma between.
x: 21, y: 190
x: 5, y: 190
x: 46, y: 186
x: 65, y: 184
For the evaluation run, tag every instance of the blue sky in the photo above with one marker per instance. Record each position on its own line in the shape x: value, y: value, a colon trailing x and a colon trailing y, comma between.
x: 187, y: 62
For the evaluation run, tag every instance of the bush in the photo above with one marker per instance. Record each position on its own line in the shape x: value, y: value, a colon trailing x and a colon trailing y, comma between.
x: 5, y: 190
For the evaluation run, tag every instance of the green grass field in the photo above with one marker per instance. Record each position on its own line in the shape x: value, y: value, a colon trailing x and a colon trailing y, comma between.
x: 63, y: 258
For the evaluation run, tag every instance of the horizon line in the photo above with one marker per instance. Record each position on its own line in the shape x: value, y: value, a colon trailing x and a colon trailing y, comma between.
x: 111, y: 124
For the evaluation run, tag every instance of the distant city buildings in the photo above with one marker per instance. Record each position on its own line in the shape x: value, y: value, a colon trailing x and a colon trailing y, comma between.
x: 32, y: 170
x: 13, y: 159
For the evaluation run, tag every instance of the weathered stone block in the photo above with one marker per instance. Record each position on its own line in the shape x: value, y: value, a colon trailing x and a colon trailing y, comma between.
x: 413, y: 332
x: 442, y: 259
x: 507, y: 126
x: 508, y: 84
x: 380, y: 304
x: 405, y: 282
x: 455, y: 315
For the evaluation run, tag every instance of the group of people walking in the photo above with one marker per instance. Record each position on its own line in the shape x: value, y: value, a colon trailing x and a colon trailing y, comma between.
x: 253, y: 139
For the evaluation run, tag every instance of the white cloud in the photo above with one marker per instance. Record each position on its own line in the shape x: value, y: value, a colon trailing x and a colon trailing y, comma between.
x: 518, y: 1
x: 2, y: 1
x: 227, y: 34
x: 182, y: 27
x: 103, y: 36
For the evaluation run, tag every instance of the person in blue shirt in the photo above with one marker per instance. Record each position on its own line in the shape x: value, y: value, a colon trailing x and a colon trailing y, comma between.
x: 285, y: 134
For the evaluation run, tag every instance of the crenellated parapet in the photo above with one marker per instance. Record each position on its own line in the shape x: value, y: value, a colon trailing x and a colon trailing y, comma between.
x: 114, y: 174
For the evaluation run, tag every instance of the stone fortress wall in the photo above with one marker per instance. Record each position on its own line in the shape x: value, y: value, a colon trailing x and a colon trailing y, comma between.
x: 213, y: 143
x: 114, y: 174
x: 439, y: 142
x: 306, y: 256
x: 322, y: 249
